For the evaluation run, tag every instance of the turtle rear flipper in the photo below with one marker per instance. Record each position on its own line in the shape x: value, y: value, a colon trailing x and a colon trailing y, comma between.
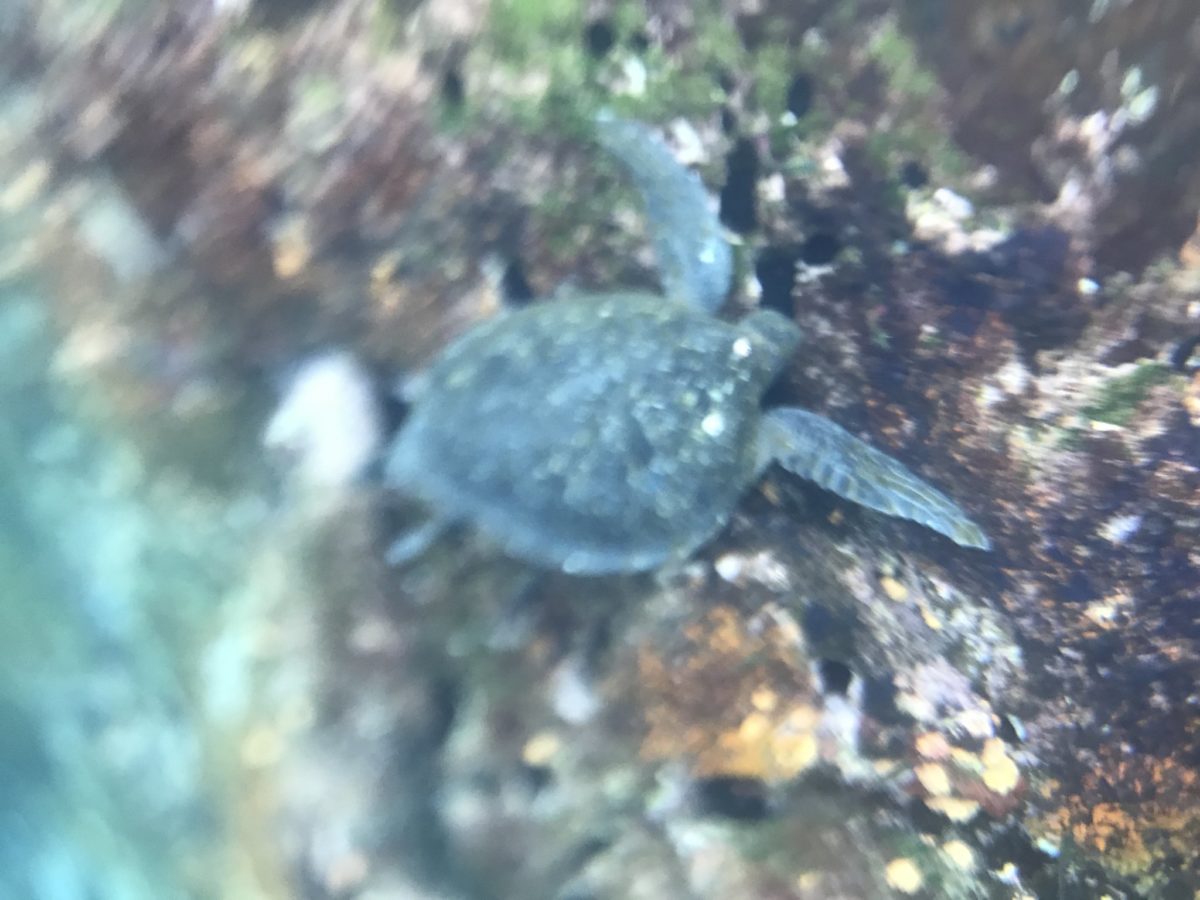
x: 815, y: 448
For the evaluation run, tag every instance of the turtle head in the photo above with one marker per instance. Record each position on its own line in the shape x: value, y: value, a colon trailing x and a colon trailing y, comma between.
x: 694, y: 257
x: 766, y: 341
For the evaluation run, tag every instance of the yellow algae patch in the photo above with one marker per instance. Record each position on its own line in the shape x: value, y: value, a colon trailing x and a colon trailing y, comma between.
x: 960, y: 854
x: 808, y: 882
x: 895, y: 591
x: 888, y: 768
x: 934, y: 779
x: 763, y: 748
x: 1191, y: 399
x: 764, y: 700
x: 291, y: 252
x: 1000, y: 773
x: 933, y: 745
x: 540, y: 749
x: 262, y: 747
x: 903, y: 875
x: 956, y: 809
x: 382, y: 274
x: 732, y: 698
x: 965, y: 759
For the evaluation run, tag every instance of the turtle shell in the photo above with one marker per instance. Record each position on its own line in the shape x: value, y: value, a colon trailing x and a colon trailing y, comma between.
x: 594, y: 434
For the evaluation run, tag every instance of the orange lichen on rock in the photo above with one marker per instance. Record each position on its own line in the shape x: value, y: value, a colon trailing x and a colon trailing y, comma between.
x: 733, y: 697
x: 1141, y: 815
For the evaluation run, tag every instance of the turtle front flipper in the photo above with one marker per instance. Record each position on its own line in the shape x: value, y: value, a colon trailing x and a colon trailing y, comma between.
x: 694, y: 258
x: 821, y: 451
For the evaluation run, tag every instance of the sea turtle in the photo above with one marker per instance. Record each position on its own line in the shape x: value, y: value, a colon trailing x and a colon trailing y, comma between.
x: 617, y: 432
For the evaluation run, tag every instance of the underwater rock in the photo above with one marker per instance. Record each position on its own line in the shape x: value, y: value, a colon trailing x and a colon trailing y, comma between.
x: 328, y: 422
x: 1071, y: 101
x: 254, y: 162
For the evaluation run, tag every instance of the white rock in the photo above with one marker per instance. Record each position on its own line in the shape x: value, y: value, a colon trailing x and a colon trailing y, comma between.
x: 115, y: 231
x: 954, y: 205
x: 573, y: 698
x: 1121, y: 528
x: 328, y: 422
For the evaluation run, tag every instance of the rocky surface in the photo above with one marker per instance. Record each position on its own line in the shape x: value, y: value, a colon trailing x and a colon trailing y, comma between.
x: 982, y: 218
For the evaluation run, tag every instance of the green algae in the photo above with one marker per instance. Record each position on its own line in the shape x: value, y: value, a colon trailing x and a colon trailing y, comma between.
x: 525, y: 29
x: 546, y: 37
x: 897, y: 56
x: 1117, y: 401
x: 915, y: 132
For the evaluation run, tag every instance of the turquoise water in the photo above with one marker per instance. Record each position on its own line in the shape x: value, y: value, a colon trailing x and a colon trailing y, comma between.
x: 111, y: 579
x: 78, y: 661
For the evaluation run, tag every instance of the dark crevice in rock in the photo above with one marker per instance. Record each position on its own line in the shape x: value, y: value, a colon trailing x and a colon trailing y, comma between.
x: 913, y: 174
x: 278, y: 14
x: 739, y: 196
x: 740, y: 799
x: 926, y: 821
x: 514, y: 284
x: 820, y: 249
x: 729, y: 121
x: 835, y: 676
x: 599, y: 37
x: 453, y: 88
x: 879, y: 701
x: 1007, y: 731
x: 776, y: 273
x: 800, y: 94
x: 537, y: 778
x: 1013, y: 845
x: 1184, y: 357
